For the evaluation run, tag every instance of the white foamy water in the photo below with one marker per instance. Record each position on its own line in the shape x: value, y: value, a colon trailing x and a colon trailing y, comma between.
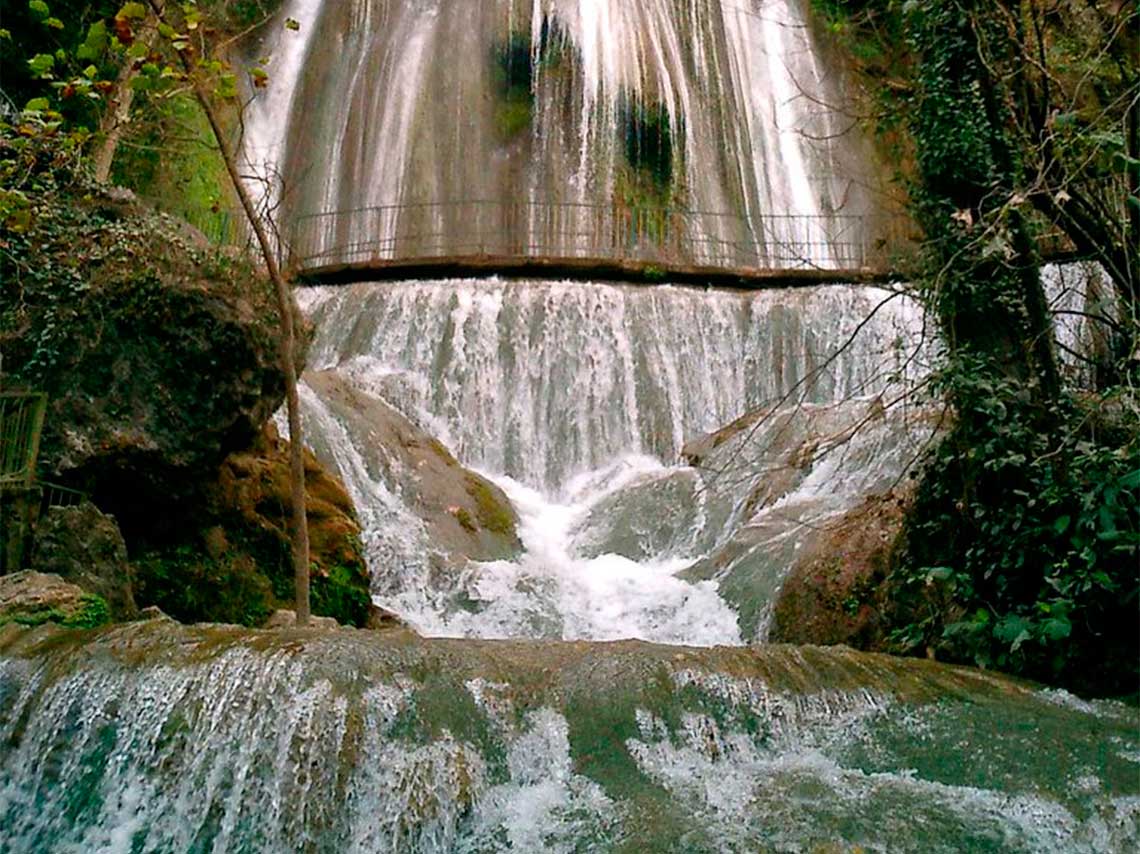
x: 576, y: 400
x: 552, y: 592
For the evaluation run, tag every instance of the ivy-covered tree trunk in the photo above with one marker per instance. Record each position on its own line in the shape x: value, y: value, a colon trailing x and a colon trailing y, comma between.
x: 1022, y: 540
x: 985, y: 285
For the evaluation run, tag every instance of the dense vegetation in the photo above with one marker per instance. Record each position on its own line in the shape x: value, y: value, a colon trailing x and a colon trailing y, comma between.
x: 162, y: 348
x: 69, y: 62
x: 1022, y: 124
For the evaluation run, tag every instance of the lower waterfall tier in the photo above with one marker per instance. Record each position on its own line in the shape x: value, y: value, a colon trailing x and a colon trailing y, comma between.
x: 578, y: 401
x: 155, y: 737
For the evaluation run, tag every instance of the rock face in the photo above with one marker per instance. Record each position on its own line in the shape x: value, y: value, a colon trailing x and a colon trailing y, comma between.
x: 32, y: 598
x: 466, y: 516
x: 158, y: 359
x: 237, y: 545
x: 792, y: 477
x: 836, y: 592
x: 85, y: 547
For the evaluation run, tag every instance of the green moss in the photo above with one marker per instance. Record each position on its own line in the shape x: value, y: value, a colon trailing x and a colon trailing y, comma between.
x: 493, y: 514
x: 194, y: 587
x: 92, y: 613
x: 441, y: 704
x: 340, y: 595
x: 465, y: 520
x: 514, y: 115
x: 602, y: 721
x: 440, y: 450
x: 648, y: 137
x: 513, y: 76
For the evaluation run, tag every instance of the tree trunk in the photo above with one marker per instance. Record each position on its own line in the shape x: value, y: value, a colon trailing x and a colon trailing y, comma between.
x: 299, y: 529
x: 119, y: 112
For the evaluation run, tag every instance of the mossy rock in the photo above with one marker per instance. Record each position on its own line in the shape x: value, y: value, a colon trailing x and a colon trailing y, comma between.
x: 837, y: 590
x: 35, y: 598
x: 466, y: 516
x: 238, y: 568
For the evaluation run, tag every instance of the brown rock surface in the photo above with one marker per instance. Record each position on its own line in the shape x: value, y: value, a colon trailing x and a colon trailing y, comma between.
x: 85, y: 547
x: 38, y: 597
x: 467, y: 516
x: 836, y: 591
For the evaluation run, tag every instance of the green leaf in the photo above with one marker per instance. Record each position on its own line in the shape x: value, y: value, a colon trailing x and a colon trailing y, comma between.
x: 1013, y: 629
x: 227, y: 86
x: 54, y: 23
x: 41, y: 64
x: 1057, y: 628
x: 38, y: 105
x: 1107, y: 522
x: 132, y: 11
x: 95, y: 43
x: 39, y: 8
x: 1062, y: 524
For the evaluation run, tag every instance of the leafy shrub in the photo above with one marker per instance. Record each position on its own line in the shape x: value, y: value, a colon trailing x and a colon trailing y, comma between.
x: 1023, y: 542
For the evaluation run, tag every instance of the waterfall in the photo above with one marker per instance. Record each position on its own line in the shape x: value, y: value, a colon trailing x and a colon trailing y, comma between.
x: 540, y: 464
x: 155, y: 737
x: 578, y: 400
x: 473, y: 117
x: 403, y: 128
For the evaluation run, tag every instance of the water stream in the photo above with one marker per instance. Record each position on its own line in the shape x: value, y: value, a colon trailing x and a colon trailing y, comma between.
x: 578, y: 401
x: 667, y: 454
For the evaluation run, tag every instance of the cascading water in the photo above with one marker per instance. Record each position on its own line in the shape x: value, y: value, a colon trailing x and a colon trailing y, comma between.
x: 578, y: 400
x: 158, y: 738
x: 667, y: 451
x: 712, y: 106
x: 578, y: 397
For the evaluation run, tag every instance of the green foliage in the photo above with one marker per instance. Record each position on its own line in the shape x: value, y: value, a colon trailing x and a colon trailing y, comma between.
x: 93, y: 612
x: 339, y: 594
x: 1023, y: 543
x: 513, y: 76
x: 61, y: 63
x: 193, y: 586
x: 170, y: 158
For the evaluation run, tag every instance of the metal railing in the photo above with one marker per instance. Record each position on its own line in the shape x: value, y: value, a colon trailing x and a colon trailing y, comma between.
x: 21, y: 422
x: 670, y: 237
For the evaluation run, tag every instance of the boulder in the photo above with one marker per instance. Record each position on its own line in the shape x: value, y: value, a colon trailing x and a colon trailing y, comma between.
x: 153, y: 612
x: 797, y: 480
x: 158, y: 359
x: 837, y: 590
x: 381, y: 619
x: 31, y: 598
x: 237, y: 547
x: 286, y: 618
x: 85, y: 547
x: 465, y: 515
